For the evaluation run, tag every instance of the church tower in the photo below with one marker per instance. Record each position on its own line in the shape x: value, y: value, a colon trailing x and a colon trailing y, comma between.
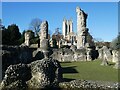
x: 67, y: 27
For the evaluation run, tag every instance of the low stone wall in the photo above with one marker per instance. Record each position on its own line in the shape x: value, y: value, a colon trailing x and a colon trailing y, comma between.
x: 16, y: 54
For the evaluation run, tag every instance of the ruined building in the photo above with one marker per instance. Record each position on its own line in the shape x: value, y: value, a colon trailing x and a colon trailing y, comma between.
x: 68, y: 34
x: 67, y: 27
x: 81, y: 27
x: 82, y: 37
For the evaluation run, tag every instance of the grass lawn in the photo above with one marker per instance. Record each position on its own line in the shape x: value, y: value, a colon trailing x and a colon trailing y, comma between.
x: 89, y: 71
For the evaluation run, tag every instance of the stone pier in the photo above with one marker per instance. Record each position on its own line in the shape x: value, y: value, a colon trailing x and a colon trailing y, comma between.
x: 43, y: 35
x: 81, y: 28
x: 27, y: 38
x: 43, y: 50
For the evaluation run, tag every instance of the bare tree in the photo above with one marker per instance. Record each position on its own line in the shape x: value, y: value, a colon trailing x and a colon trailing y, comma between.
x: 35, y: 25
x: 57, y: 35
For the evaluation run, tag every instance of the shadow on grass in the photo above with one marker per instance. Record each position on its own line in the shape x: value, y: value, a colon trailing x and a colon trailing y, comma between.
x: 111, y: 64
x: 69, y: 70
x: 67, y: 80
x: 65, y: 62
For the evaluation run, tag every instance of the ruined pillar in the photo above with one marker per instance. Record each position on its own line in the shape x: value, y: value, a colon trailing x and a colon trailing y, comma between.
x: 114, y: 56
x: 106, y: 56
x: 44, y: 35
x: 44, y: 42
x: 89, y: 54
x: 27, y: 38
x: 117, y: 62
x: 81, y: 28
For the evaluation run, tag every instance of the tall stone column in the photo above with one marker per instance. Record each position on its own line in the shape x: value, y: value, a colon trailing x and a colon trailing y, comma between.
x: 81, y: 27
x: 44, y: 35
x: 44, y: 42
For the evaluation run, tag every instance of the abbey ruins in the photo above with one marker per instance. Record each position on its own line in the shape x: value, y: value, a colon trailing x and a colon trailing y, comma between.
x: 80, y: 47
x: 41, y: 61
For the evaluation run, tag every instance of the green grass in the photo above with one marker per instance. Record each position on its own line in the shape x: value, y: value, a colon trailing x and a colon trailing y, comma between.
x: 89, y: 71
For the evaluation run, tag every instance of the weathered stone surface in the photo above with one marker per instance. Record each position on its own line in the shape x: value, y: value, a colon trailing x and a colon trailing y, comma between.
x: 27, y: 38
x: 58, y: 54
x: 16, y: 77
x: 81, y: 18
x: 89, y: 54
x: 73, y: 48
x: 80, y: 55
x: 82, y: 30
x: 81, y: 27
x: 104, y: 62
x: 107, y: 53
x: 43, y: 35
x: 106, y: 56
x: 14, y: 55
x: 45, y: 73
x: 117, y: 65
x: 69, y: 55
x: 89, y: 85
x: 117, y: 60
x: 100, y: 51
x: 44, y: 42
x: 44, y: 30
x: 115, y: 56
x: 36, y: 75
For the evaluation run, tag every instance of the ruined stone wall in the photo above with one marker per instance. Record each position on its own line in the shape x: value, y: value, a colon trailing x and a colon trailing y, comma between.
x: 105, y: 53
x: 14, y: 55
x: 69, y: 55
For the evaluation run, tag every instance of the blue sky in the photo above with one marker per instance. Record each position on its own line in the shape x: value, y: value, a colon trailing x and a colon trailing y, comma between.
x: 102, y: 18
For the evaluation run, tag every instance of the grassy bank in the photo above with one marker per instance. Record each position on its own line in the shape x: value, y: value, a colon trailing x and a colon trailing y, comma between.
x: 89, y: 71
